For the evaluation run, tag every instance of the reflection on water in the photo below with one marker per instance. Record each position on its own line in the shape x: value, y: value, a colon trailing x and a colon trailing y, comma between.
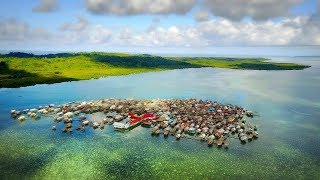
x: 288, y: 104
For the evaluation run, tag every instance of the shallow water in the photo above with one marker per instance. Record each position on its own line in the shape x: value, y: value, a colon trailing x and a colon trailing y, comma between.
x: 288, y: 103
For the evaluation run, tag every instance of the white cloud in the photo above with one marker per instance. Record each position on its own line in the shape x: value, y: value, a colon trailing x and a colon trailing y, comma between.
x: 289, y: 31
x: 161, y: 37
x: 201, y: 16
x: 224, y: 32
x: 20, y: 33
x: 133, y: 7
x: 82, y: 31
x: 46, y: 6
x: 217, y: 32
x: 15, y: 31
x: 125, y: 34
x: 99, y: 34
x: 80, y: 25
x: 12, y: 29
x: 230, y: 9
x: 257, y: 9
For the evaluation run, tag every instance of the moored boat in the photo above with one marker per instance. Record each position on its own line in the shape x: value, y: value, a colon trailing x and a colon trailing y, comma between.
x: 166, y: 131
x: 178, y: 136
x: 210, y: 140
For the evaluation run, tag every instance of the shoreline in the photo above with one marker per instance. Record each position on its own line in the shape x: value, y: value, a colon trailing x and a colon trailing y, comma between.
x: 23, y: 69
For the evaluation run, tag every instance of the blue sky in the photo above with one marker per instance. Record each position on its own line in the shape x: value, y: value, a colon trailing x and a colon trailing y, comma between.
x: 160, y: 26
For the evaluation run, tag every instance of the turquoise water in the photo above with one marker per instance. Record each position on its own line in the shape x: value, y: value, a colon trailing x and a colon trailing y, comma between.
x: 288, y: 103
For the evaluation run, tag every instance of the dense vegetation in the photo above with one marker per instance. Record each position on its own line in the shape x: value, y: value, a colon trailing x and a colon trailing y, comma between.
x: 22, y: 69
x: 143, y: 61
x: 242, y: 63
x: 17, y: 78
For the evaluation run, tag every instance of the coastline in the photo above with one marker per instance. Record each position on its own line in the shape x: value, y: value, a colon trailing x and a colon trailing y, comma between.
x: 23, y: 69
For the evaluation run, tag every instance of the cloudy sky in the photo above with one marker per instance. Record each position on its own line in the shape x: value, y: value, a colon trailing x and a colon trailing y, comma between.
x: 289, y: 27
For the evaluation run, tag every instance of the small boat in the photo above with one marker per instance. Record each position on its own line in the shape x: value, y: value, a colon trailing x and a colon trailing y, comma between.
x: 203, y: 136
x: 249, y: 114
x: 211, y: 137
x: 118, y: 117
x: 58, y: 119
x: 22, y: 118
x: 82, y: 117
x: 64, y: 129
x: 67, y: 120
x: 226, y: 144
x: 178, y: 136
x: 53, y: 128
x: 242, y: 125
x: 33, y: 110
x: 249, y: 131
x: 78, y: 128
x: 68, y: 114
x: 102, y: 125
x: 157, y: 132
x: 240, y: 131
x: 210, y: 140
x: 95, y: 125
x: 68, y: 125
x: 179, y: 131
x: 108, y: 121
x: 238, y: 127
x: 13, y: 111
x: 255, y: 134
x: 85, y: 123
x: 220, y: 142
x: 226, y: 133
x: 67, y: 129
x: 243, y: 138
x: 154, y: 129
x: 186, y: 129
x: 166, y: 132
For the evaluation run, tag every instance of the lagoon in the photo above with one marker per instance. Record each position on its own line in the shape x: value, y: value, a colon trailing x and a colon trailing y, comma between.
x: 288, y: 104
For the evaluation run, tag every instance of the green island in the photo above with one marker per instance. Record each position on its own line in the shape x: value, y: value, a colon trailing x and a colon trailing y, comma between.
x: 19, y: 69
